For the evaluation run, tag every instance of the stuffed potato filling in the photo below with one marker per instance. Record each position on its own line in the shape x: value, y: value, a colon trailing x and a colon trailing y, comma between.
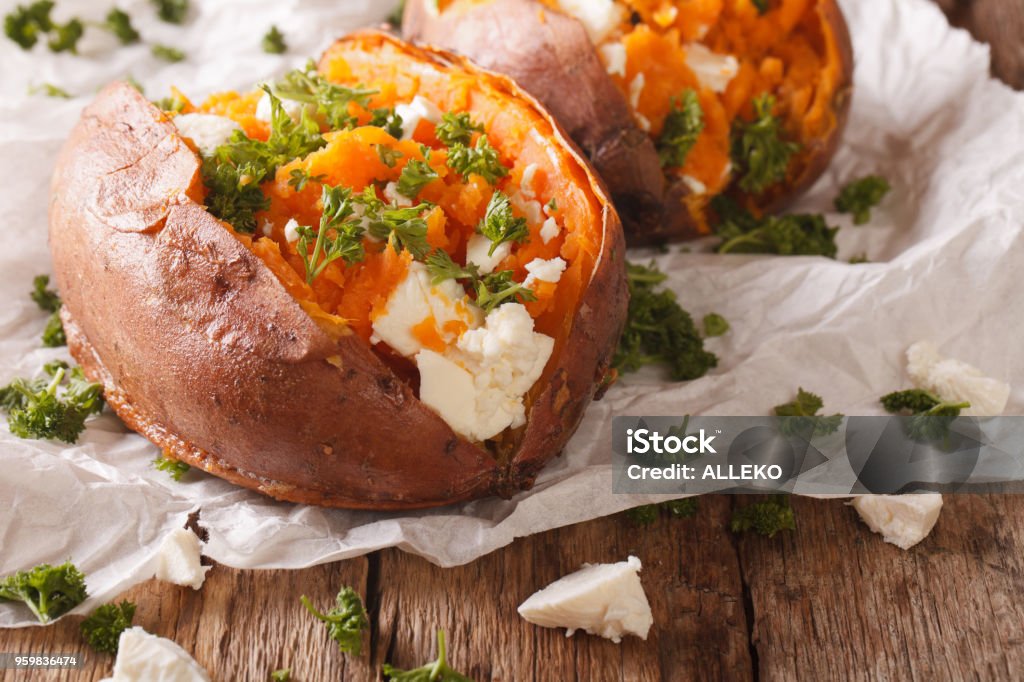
x: 735, y: 94
x: 414, y: 212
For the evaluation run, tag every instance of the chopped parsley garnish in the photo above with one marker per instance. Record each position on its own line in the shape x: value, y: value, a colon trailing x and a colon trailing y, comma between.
x: 683, y: 126
x: 339, y: 235
x: 647, y: 514
x: 50, y: 408
x: 53, y: 332
x: 764, y: 518
x: 659, y: 331
x: 389, y: 121
x: 167, y: 53
x: 405, y: 224
x: 435, y: 671
x: 860, y: 196
x: 234, y: 171
x: 300, y: 177
x: 930, y: 416
x: 346, y: 622
x: 171, y: 11
x: 803, y: 419
x: 389, y: 156
x: 491, y: 290
x: 758, y: 147
x: 786, y: 235
x: 481, y: 159
x: 715, y: 325
x: 66, y: 36
x: 331, y: 100
x: 50, y: 90
x: 120, y: 24
x: 456, y: 129
x: 25, y: 24
x: 102, y: 629
x: 273, y: 42
x: 174, y: 468
x: 415, y: 176
x: 47, y: 299
x: 500, y: 225
x: 48, y: 591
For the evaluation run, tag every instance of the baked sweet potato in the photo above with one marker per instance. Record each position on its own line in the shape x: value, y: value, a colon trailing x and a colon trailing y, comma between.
x: 276, y: 287
x: 658, y: 93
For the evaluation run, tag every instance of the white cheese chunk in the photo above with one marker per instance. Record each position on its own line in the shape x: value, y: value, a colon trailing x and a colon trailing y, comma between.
x: 178, y: 559
x: 392, y: 194
x: 600, y: 18
x: 955, y: 380
x: 206, y: 131
x: 542, y: 270
x: 142, y: 657
x: 266, y: 227
x: 613, y: 55
x: 291, y: 230
x: 420, y: 109
x: 602, y: 599
x: 902, y: 520
x: 477, y: 249
x: 416, y: 299
x: 499, y: 363
x: 549, y: 230
x: 526, y: 184
x: 695, y: 185
x: 528, y: 208
x: 636, y: 88
x: 265, y: 112
x: 713, y: 70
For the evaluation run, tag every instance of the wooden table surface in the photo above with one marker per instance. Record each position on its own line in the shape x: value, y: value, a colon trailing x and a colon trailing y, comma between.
x: 827, y: 601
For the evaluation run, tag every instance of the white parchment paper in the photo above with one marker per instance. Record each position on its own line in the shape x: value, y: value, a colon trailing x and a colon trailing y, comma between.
x: 946, y: 249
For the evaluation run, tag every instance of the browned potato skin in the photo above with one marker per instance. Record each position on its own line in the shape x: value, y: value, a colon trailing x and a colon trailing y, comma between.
x: 554, y: 60
x: 201, y: 350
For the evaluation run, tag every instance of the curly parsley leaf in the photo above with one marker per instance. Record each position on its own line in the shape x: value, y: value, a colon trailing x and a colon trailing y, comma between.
x: 786, y: 235
x: 102, y: 629
x: 174, y: 468
x: 456, y: 129
x: 48, y: 591
x: 764, y: 518
x: 415, y: 176
x: 26, y: 23
x: 340, y: 234
x: 405, y: 224
x: 683, y: 126
x: 53, y: 332
x: 40, y: 409
x: 119, y: 23
x: 647, y: 514
x: 930, y: 416
x: 167, y: 53
x: 490, y: 290
x: 346, y: 622
x: 331, y: 101
x: 481, y: 159
x: 171, y: 11
x: 803, y: 418
x: 860, y: 196
x: 300, y: 177
x: 500, y: 225
x: 659, y: 331
x: 435, y: 671
x: 47, y: 299
x: 715, y: 325
x: 758, y: 147
x: 389, y: 156
x: 273, y: 42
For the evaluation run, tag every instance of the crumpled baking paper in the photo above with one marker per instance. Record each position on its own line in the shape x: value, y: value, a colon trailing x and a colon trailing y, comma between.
x: 946, y: 252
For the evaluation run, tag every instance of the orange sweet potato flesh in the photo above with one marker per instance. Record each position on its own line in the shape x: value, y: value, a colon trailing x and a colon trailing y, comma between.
x: 215, y: 357
x: 799, y: 51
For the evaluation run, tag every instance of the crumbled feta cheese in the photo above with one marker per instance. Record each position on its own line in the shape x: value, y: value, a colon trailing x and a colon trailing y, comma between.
x: 549, y: 230
x: 142, y: 657
x: 291, y: 230
x: 526, y: 184
x: 955, y: 380
x: 265, y: 112
x: 414, y: 300
x: 420, y: 109
x: 178, y: 559
x: 504, y: 359
x: 614, y: 57
x: 600, y: 18
x: 476, y: 252
x: 636, y: 87
x: 643, y: 122
x: 392, y: 195
x: 903, y: 520
x: 206, y: 131
x: 266, y: 227
x: 528, y: 208
x: 713, y: 70
x: 695, y: 185
x: 602, y: 599
x: 544, y: 271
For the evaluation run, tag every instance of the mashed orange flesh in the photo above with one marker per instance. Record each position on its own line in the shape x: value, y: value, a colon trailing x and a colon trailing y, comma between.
x: 352, y: 296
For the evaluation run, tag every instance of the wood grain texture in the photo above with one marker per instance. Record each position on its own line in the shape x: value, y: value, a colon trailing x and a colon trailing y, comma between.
x: 828, y: 601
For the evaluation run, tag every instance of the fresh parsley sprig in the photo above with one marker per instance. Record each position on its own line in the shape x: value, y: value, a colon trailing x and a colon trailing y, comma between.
x: 457, y: 129
x: 785, y: 235
x: 647, y: 514
x: 860, y: 196
x: 50, y: 408
x: 330, y: 99
x: 802, y: 418
x: 683, y: 125
x: 929, y: 415
x: 171, y: 11
x: 174, y: 468
x: 764, y: 518
x: 405, y: 224
x: 338, y: 236
x: 119, y: 23
x: 436, y: 671
x: 491, y: 290
x: 48, y: 591
x: 273, y: 41
x: 26, y: 24
x: 346, y: 622
x: 758, y: 147
x: 416, y: 175
x: 102, y: 629
x: 500, y: 225
x: 481, y: 159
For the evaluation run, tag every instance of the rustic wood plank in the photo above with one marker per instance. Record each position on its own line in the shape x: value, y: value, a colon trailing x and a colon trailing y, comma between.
x: 832, y: 597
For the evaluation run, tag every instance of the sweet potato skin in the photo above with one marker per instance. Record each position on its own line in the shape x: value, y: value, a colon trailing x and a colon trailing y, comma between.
x: 551, y: 57
x: 201, y: 350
